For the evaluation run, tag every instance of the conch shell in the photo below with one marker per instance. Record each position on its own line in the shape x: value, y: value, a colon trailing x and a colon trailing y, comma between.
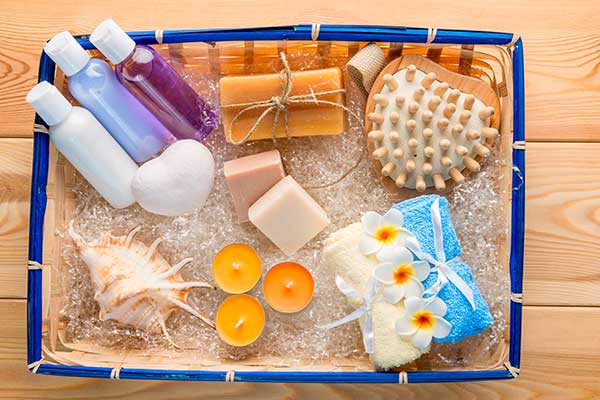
x: 134, y: 284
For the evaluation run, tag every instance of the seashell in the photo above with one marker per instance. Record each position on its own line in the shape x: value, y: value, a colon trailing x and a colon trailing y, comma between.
x: 134, y: 285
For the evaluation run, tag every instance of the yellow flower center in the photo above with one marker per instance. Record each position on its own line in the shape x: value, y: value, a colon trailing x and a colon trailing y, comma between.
x: 386, y: 234
x: 402, y: 274
x: 423, y: 320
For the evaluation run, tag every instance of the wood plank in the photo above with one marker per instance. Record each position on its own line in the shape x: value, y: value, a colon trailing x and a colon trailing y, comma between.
x: 562, y: 260
x: 563, y: 187
x: 561, y: 45
x: 553, y: 347
x: 562, y: 68
x: 15, y: 177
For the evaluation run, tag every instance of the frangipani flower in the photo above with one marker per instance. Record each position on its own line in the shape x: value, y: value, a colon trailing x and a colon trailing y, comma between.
x: 401, y: 275
x: 382, y: 233
x: 423, y: 320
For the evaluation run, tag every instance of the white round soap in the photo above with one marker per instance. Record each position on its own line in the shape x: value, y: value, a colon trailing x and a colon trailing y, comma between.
x: 176, y: 182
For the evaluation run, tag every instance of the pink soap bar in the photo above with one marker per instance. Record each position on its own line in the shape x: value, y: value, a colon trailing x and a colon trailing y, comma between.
x: 248, y: 178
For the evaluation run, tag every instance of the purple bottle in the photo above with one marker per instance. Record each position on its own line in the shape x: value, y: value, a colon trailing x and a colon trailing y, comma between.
x: 155, y: 83
x: 93, y: 83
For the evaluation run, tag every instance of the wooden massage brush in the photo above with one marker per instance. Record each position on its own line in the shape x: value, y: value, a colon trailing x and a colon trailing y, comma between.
x: 426, y: 124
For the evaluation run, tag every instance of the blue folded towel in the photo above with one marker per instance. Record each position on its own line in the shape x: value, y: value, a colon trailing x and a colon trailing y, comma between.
x: 417, y: 219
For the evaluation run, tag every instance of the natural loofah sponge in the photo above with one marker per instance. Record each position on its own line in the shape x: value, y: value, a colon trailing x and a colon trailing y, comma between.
x: 417, y: 219
x: 342, y: 256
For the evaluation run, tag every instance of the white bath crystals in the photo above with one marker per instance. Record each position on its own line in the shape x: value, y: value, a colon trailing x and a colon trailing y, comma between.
x: 176, y: 182
x: 423, y: 131
x: 134, y: 285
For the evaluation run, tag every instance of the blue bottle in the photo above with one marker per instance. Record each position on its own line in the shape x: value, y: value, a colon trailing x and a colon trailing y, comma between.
x: 93, y: 83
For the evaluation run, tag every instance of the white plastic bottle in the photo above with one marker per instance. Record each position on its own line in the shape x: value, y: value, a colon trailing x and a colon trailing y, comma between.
x: 79, y: 136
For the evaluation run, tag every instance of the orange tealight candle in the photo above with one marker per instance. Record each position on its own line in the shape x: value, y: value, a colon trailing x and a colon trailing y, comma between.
x: 288, y: 287
x: 240, y: 320
x: 236, y: 268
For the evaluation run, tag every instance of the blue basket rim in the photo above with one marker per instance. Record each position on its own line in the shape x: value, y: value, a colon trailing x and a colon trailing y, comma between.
x: 362, y: 33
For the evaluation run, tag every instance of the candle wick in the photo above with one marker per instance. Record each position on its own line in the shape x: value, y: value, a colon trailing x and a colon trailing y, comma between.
x: 289, y: 284
x: 236, y: 265
x: 239, y: 323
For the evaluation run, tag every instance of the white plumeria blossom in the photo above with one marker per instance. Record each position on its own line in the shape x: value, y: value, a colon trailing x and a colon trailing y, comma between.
x: 422, y: 320
x: 401, y: 275
x: 382, y: 234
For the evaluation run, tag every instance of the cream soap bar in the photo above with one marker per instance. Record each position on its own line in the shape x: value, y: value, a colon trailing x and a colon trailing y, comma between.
x: 250, y: 177
x: 303, y: 119
x: 288, y: 216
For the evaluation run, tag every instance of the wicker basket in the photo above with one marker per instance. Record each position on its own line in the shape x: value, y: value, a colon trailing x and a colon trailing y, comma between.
x: 494, y: 57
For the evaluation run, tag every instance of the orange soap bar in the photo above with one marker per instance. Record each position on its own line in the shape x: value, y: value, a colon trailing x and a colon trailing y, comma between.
x: 303, y: 119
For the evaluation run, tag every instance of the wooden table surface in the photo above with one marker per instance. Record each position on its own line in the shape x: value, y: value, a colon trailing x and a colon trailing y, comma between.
x: 561, y: 317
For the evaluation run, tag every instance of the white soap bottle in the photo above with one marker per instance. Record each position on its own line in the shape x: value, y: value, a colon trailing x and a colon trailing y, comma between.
x: 79, y: 136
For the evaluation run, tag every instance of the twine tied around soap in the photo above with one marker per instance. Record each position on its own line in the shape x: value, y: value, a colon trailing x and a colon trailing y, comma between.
x: 279, y: 105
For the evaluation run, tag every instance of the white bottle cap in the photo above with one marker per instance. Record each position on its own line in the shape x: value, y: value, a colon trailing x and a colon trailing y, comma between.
x: 64, y: 50
x: 49, y: 103
x: 112, y: 41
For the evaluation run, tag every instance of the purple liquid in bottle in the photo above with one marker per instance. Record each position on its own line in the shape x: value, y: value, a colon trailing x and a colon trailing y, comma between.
x: 155, y: 84
x: 93, y: 83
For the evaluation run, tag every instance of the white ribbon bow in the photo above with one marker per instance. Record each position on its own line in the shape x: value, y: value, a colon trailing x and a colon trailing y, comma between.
x: 441, y: 266
x: 368, y: 299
